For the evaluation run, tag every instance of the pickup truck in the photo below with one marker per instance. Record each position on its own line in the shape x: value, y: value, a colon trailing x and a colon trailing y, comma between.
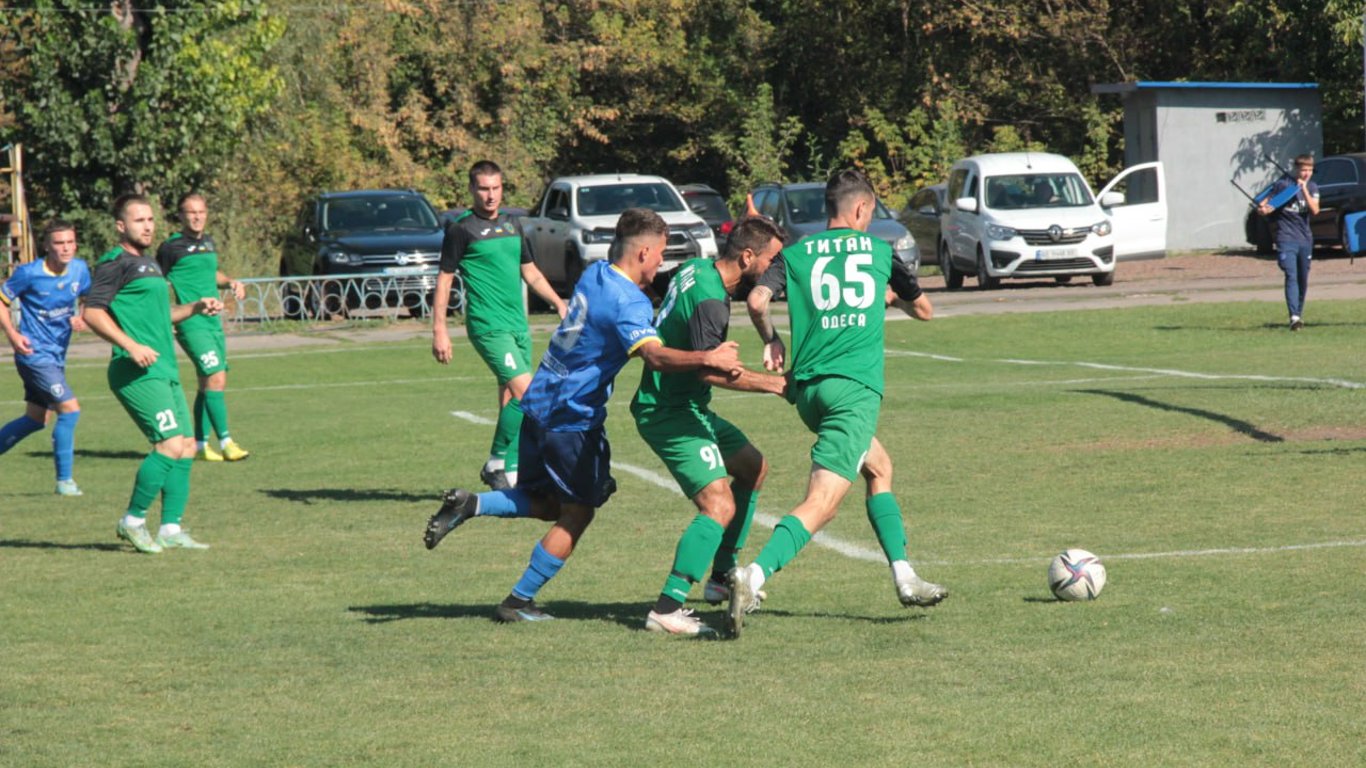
x: 574, y: 222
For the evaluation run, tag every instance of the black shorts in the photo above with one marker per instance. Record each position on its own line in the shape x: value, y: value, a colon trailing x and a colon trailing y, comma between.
x: 572, y: 466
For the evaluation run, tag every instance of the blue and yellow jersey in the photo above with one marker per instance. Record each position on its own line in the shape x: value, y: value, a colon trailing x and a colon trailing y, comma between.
x: 47, y: 302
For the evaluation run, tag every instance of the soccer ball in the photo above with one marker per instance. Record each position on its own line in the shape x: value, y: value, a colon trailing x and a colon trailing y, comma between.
x: 1076, y: 575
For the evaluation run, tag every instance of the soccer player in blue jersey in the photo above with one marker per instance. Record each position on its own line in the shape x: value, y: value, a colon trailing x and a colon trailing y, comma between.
x: 564, y: 455
x: 47, y: 292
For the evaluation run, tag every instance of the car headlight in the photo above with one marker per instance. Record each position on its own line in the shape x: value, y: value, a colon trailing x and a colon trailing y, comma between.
x: 699, y: 231
x: 344, y: 258
x: 1102, y: 229
x: 904, y: 243
x: 591, y: 236
x: 998, y: 232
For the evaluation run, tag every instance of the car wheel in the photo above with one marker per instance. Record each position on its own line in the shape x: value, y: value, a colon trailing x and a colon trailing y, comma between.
x: 985, y: 281
x: 1103, y: 278
x: 1063, y: 279
x: 953, y: 279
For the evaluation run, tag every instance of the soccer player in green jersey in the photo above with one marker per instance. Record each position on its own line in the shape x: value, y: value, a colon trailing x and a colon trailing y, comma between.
x: 130, y: 307
x: 837, y: 284
x: 189, y: 259
x: 699, y: 447
x: 493, y: 258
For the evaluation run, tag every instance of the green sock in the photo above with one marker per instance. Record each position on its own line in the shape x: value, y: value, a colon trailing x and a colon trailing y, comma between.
x: 147, y: 485
x: 201, y: 417
x: 505, y: 435
x: 216, y: 405
x: 695, y: 550
x: 737, y: 533
x: 885, y: 516
x: 787, y: 540
x: 175, y: 495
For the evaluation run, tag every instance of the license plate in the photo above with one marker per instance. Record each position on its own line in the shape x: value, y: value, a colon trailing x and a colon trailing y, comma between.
x: 1044, y: 254
x: 404, y: 271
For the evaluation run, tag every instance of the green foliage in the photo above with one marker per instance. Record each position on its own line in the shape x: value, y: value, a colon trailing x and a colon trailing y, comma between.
x: 762, y: 150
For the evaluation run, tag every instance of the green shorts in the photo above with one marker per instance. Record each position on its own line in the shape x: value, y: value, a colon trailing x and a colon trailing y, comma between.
x: 843, y: 414
x: 506, y: 353
x: 692, y: 444
x: 158, y: 407
x: 205, y: 343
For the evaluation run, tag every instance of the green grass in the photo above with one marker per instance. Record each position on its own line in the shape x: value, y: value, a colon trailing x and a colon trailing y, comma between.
x: 319, y: 632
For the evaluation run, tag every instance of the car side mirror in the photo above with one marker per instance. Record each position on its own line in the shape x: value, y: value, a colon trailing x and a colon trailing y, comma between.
x: 1111, y: 199
x: 559, y: 212
x: 966, y: 204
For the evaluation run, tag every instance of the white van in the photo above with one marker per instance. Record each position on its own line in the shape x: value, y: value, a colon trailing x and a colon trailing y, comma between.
x: 1031, y: 214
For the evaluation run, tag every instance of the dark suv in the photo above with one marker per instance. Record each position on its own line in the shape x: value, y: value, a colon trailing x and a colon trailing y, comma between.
x: 391, y: 237
x: 1342, y: 190
x: 711, y: 206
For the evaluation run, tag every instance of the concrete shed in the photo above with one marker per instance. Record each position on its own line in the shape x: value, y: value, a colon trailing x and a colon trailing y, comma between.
x: 1208, y: 133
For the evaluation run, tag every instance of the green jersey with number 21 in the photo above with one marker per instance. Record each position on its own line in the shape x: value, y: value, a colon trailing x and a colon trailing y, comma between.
x: 836, y: 283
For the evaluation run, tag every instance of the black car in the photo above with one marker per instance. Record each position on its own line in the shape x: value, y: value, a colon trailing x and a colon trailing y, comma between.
x: 711, y: 206
x: 1342, y: 190
x: 392, y: 237
x: 921, y: 218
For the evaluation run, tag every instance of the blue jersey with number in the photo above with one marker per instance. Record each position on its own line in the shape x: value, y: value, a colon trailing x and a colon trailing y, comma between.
x: 607, y: 320
x: 47, y: 302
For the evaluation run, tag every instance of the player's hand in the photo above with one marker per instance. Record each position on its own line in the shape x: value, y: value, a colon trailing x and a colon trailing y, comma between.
x: 775, y: 356
x: 563, y: 309
x: 239, y: 291
x: 20, y: 342
x: 142, y: 355
x: 208, y: 307
x: 441, y: 348
x: 78, y: 324
x: 724, y: 357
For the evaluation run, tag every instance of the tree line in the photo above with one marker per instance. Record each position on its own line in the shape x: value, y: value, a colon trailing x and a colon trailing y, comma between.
x: 260, y: 103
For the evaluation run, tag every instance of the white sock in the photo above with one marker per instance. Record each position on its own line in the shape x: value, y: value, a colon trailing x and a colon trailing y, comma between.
x: 493, y: 465
x: 512, y: 478
x: 169, y: 529
x: 755, y: 576
x: 132, y: 522
x: 902, y: 571
x: 223, y: 442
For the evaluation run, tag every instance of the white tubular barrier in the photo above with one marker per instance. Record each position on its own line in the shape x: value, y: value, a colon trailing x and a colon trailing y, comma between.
x: 332, y: 297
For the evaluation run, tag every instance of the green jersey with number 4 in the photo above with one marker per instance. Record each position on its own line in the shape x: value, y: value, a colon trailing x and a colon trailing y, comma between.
x: 695, y: 315
x: 836, y: 283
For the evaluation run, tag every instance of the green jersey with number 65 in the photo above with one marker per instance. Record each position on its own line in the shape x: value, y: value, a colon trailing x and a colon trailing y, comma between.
x: 836, y: 284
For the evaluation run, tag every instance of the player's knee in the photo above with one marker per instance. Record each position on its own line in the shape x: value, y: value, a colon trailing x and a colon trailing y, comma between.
x: 748, y: 467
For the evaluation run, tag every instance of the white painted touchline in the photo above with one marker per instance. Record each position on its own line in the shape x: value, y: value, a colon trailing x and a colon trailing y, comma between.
x: 318, y: 385
x: 467, y: 416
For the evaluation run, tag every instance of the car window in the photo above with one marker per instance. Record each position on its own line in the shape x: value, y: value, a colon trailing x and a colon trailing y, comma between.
x: 924, y: 202
x: 1333, y: 171
x: 709, y: 206
x: 612, y: 199
x: 956, y: 180
x: 1138, y: 187
x: 1036, y: 190
x: 807, y: 206
x: 558, y: 201
x: 767, y: 203
x: 377, y: 212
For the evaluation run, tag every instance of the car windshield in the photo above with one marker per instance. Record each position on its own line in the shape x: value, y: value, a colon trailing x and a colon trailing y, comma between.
x: 710, y: 207
x: 1036, y: 190
x: 380, y: 212
x: 808, y: 205
x: 612, y: 199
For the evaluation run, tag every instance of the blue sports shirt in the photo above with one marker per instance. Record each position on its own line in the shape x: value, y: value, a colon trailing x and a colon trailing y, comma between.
x: 608, y: 319
x: 47, y: 302
x: 1292, y: 219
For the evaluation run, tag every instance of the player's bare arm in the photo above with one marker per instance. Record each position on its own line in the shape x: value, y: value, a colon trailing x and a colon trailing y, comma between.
x: 541, y: 287
x: 239, y: 291
x: 747, y: 381
x: 209, y: 307
x: 775, y: 354
x: 104, y: 326
x: 19, y: 341
x: 724, y: 357
x: 441, y: 338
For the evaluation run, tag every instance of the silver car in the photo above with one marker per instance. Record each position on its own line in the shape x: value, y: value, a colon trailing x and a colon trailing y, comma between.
x: 800, y: 210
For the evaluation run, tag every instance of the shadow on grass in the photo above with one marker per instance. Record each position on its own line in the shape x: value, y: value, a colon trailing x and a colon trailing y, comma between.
x: 26, y: 544
x: 1261, y: 328
x: 86, y: 453
x: 629, y: 615
x: 311, y: 495
x: 1237, y: 425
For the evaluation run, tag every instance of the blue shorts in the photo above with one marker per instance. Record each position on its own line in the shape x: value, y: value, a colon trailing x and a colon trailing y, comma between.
x: 573, y: 466
x: 44, y: 385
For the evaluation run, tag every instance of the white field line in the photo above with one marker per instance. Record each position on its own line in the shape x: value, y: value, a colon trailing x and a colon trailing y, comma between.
x: 310, y: 350
x: 467, y: 416
x: 1343, y: 383
x: 286, y: 387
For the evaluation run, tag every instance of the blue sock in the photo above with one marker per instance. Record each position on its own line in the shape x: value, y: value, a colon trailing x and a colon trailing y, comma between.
x: 513, y: 502
x: 64, y: 442
x: 17, y: 430
x: 543, y: 568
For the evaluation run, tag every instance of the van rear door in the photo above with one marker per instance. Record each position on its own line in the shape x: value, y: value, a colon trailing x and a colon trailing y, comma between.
x: 1140, y: 221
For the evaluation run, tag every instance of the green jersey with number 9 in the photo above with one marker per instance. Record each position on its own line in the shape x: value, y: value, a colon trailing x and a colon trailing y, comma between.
x: 836, y: 284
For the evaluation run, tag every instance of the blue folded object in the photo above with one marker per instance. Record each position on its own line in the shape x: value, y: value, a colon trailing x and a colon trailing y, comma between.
x: 1354, y: 232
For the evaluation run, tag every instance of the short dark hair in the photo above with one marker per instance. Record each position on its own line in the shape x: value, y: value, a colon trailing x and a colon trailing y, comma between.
x: 53, y: 227
x: 634, y: 223
x: 844, y: 188
x: 187, y: 197
x: 484, y: 168
x: 753, y: 233
x: 1304, y: 159
x: 122, y: 202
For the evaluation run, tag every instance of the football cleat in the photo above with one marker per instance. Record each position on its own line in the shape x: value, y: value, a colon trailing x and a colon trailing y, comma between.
x: 679, y: 622
x: 457, y: 506
x: 506, y: 614
x: 181, y: 540
x: 744, y: 598
x: 68, y: 488
x: 208, y: 453
x: 717, y: 592
x: 138, y: 536
x: 234, y: 452
x: 1296, y: 323
x: 495, y: 479
x: 915, y: 591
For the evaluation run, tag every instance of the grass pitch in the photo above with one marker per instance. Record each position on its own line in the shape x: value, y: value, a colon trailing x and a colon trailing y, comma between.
x: 1212, y: 459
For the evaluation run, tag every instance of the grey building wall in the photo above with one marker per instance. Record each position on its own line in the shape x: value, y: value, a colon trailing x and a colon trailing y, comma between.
x: 1207, y: 134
